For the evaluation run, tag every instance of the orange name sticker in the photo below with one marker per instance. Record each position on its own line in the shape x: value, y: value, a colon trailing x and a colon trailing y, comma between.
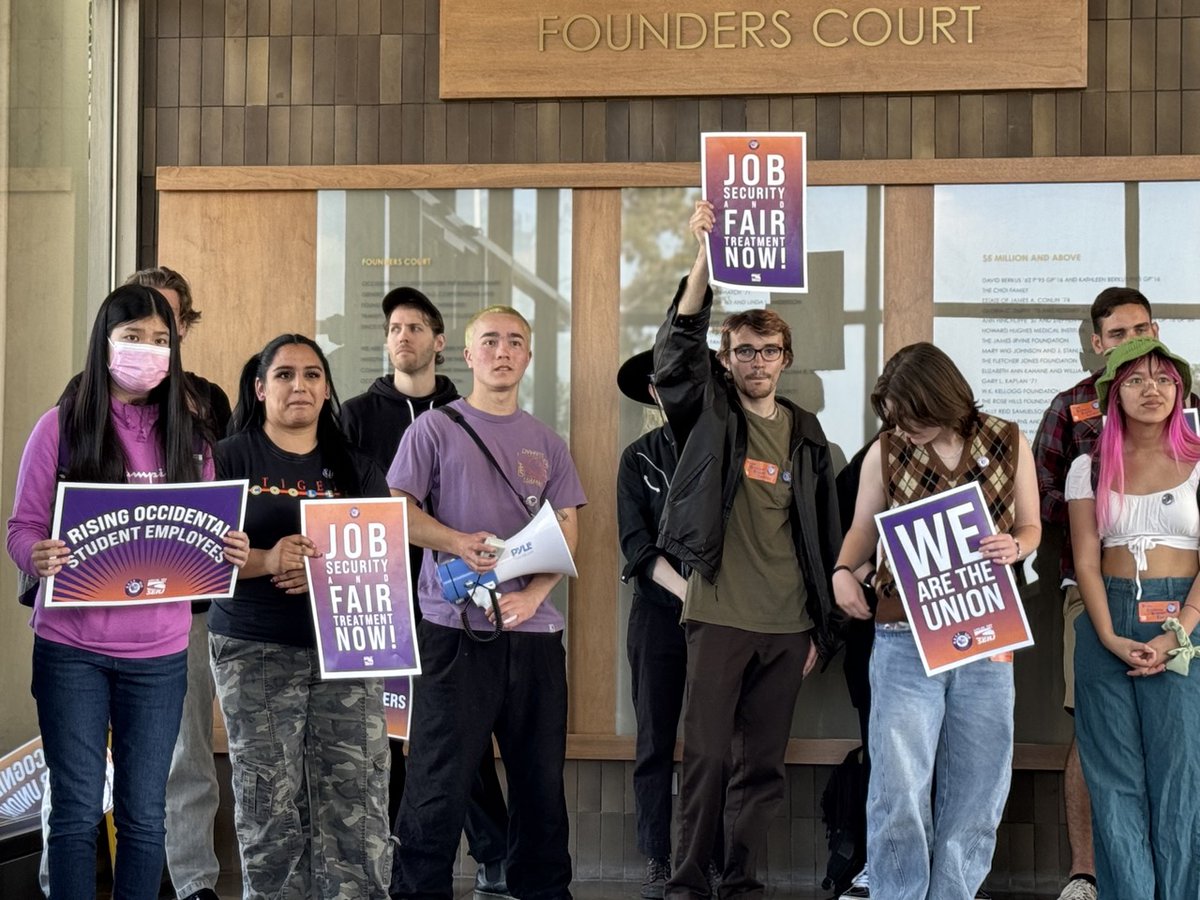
x: 1151, y: 611
x: 1081, y: 412
x: 1002, y: 657
x: 761, y: 471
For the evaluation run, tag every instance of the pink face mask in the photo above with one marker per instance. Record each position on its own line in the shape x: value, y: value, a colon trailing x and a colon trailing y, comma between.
x: 137, y: 368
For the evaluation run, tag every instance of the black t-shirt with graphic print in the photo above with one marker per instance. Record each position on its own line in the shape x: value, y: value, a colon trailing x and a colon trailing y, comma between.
x: 259, y: 611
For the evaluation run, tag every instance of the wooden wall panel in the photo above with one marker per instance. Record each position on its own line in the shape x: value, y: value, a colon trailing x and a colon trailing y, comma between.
x: 360, y: 81
x: 908, y: 276
x: 215, y: 240
x: 595, y: 355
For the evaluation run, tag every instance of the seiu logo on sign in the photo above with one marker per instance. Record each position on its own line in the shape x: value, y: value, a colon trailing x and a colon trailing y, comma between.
x: 524, y: 548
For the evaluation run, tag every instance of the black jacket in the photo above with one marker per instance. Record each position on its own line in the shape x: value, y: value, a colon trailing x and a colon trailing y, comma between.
x: 709, y: 425
x: 376, y: 420
x: 643, y: 480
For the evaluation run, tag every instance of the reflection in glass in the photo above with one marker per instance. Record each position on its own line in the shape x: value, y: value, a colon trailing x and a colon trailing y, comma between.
x: 1027, y: 244
x: 465, y: 249
x: 1017, y: 268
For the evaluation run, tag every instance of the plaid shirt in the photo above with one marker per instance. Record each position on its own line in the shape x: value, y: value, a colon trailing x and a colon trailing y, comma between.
x: 1061, y: 439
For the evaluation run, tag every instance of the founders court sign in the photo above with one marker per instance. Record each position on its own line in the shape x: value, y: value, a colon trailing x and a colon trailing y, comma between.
x: 589, y: 48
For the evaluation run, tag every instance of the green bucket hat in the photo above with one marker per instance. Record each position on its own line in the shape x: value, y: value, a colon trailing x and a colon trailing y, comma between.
x: 1136, y: 348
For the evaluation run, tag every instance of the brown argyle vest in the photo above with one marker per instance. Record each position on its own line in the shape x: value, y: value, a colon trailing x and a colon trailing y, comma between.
x: 912, y: 473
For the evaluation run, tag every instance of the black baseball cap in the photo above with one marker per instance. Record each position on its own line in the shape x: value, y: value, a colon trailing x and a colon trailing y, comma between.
x: 410, y: 296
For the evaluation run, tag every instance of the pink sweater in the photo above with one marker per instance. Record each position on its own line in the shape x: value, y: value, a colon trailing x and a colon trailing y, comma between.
x: 133, y: 631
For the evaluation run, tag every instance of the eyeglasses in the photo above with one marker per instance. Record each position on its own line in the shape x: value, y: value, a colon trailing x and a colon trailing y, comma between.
x: 746, y: 353
x: 1138, y: 383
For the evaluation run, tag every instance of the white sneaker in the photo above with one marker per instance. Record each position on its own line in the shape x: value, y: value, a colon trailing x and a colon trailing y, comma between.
x: 1078, y: 889
x: 860, y: 887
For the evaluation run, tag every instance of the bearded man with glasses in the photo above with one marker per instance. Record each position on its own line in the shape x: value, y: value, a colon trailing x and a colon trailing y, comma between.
x: 752, y: 512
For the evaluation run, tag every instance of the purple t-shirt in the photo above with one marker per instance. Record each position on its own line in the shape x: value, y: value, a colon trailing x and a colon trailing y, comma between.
x: 438, y: 460
x: 136, y: 632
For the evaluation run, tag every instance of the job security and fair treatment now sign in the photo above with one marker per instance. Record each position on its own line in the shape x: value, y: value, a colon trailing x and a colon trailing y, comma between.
x: 960, y: 606
x: 145, y: 543
x: 756, y: 183
x: 360, y: 588
x: 585, y: 48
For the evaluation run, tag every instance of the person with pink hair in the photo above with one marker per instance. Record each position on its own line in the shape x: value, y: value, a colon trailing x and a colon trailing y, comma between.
x: 1135, y: 529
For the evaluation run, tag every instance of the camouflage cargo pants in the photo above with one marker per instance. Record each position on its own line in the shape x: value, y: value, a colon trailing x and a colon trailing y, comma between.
x: 310, y: 773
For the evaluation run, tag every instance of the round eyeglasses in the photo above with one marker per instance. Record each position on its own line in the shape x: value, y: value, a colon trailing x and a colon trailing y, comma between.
x: 769, y: 353
x: 1138, y: 383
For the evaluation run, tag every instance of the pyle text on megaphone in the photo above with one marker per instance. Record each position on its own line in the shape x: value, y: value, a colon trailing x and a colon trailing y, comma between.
x: 540, y: 548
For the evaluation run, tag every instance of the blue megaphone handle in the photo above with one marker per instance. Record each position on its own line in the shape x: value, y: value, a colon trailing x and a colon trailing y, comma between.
x: 458, y: 580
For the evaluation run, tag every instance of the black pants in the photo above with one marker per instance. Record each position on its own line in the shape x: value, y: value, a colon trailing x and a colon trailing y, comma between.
x: 860, y: 638
x: 487, y: 816
x: 741, y: 692
x: 516, y: 688
x: 658, y: 664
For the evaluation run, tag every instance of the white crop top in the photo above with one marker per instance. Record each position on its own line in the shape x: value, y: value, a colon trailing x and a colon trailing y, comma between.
x: 1142, y: 522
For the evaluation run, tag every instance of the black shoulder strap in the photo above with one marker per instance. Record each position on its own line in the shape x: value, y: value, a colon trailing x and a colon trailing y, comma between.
x: 457, y: 417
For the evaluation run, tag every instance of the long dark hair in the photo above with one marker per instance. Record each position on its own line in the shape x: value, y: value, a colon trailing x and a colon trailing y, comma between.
x: 250, y: 412
x: 96, y: 453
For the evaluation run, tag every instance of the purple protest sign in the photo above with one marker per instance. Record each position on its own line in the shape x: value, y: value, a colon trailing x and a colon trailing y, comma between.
x: 24, y: 783
x: 397, y: 706
x: 960, y: 606
x: 360, y: 588
x: 134, y: 544
x: 756, y: 184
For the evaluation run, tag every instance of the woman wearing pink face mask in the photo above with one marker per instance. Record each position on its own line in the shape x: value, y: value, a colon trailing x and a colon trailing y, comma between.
x: 130, y: 422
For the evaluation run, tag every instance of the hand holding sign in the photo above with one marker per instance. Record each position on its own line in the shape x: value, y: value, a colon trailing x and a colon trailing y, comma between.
x: 285, y: 562
x: 701, y: 222
x: 1000, y: 548
x: 237, y: 548
x: 960, y: 606
x: 49, y: 556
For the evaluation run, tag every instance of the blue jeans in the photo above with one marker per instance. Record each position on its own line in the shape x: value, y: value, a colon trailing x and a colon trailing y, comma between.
x: 1137, y: 742
x: 960, y: 722
x: 78, y: 694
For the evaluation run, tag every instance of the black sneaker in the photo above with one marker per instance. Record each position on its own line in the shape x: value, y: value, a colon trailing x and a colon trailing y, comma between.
x: 860, y: 887
x: 203, y: 894
x: 492, y: 879
x: 658, y: 873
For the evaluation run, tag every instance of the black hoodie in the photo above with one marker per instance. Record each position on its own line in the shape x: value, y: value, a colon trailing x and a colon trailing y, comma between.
x: 375, y: 421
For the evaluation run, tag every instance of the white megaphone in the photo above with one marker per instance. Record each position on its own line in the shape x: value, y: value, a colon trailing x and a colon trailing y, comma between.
x: 538, y: 548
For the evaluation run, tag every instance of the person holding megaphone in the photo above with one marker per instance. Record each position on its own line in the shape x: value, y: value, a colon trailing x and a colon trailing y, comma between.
x: 477, y: 473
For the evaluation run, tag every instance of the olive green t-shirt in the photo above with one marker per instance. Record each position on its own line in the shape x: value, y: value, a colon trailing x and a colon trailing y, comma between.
x: 759, y: 586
